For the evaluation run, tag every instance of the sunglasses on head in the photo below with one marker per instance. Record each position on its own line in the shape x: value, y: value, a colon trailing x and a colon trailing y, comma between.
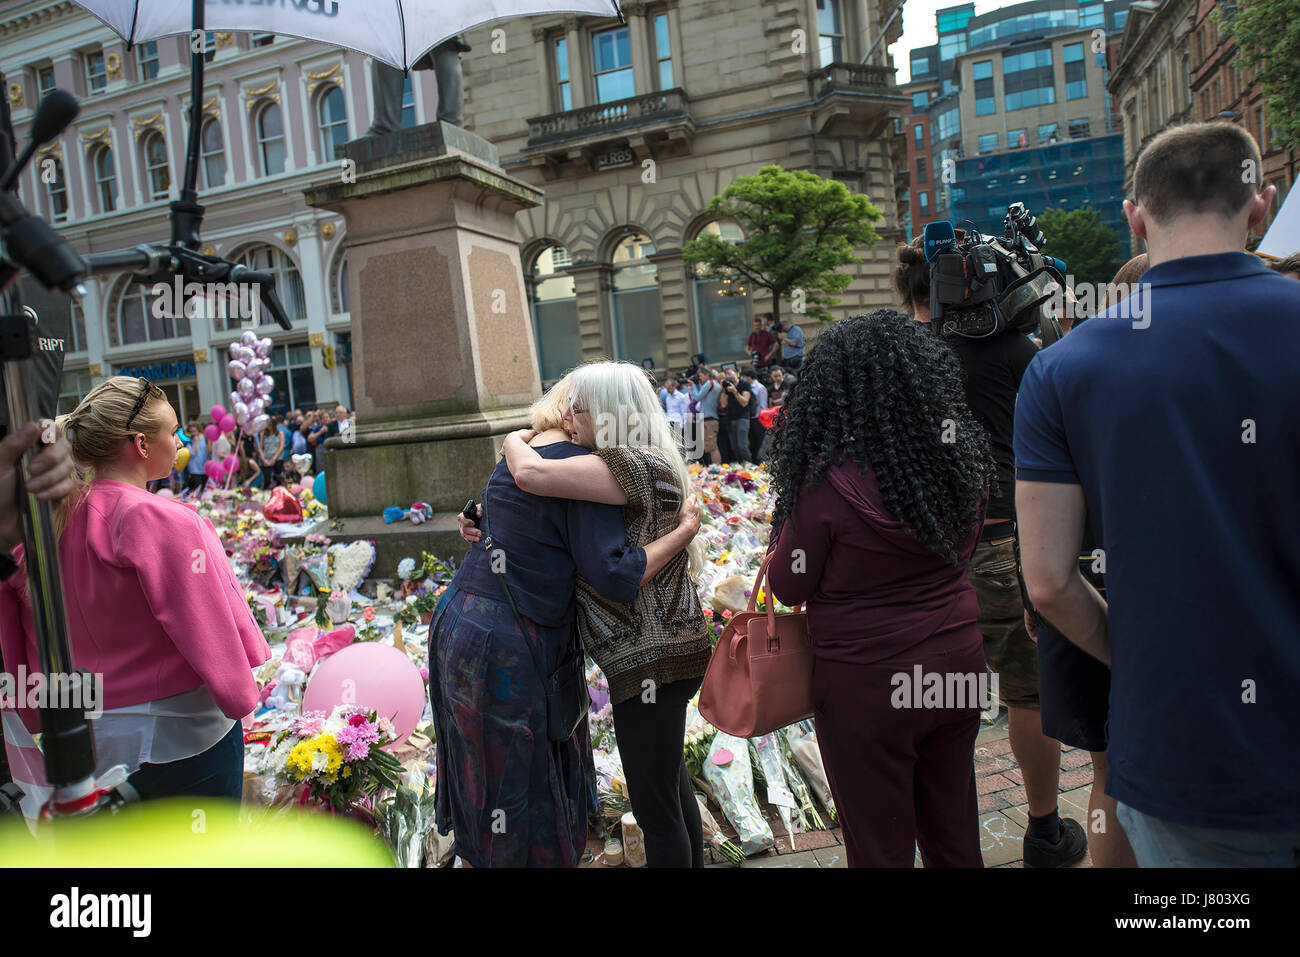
x: 147, y: 389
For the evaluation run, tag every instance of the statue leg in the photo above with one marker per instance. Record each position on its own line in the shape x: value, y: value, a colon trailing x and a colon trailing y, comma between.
x: 447, y: 71
x: 389, y: 83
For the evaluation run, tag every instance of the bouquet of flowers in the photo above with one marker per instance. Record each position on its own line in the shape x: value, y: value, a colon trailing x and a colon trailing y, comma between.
x: 728, y: 772
x: 338, y: 758
x: 713, y: 834
x: 406, y: 817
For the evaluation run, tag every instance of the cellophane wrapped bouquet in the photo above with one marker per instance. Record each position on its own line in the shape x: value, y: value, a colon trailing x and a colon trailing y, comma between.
x: 339, y: 758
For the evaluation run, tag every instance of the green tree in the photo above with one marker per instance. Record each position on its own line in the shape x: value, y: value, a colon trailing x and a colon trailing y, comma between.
x: 1268, y: 35
x: 798, y: 229
x: 1090, y: 248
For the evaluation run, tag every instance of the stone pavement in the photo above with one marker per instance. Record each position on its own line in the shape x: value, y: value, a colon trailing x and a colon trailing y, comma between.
x: 1003, y: 812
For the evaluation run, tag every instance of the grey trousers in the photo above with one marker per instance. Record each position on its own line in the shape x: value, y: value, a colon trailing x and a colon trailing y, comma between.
x: 389, y: 82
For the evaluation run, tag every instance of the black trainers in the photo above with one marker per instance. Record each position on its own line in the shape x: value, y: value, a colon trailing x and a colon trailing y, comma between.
x: 1066, y: 852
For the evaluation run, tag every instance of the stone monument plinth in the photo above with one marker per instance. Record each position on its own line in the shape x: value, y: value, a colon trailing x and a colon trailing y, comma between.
x: 444, y: 362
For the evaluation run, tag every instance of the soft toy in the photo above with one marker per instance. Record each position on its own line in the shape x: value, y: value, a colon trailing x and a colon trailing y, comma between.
x: 420, y: 512
x: 287, y: 685
x: 393, y: 514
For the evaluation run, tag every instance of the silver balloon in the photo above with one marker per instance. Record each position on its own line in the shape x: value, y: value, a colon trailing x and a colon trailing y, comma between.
x: 246, y: 388
x: 265, y: 385
x: 259, y: 424
x: 234, y: 398
x: 249, y: 338
x: 255, y: 407
x: 263, y: 349
x: 236, y: 369
x: 245, y: 355
x: 234, y: 349
x: 239, y: 408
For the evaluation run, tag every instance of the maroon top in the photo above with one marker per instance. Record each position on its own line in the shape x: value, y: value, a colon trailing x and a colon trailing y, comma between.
x: 873, y: 592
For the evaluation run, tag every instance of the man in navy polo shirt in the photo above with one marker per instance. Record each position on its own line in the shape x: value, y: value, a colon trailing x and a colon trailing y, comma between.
x: 1173, y: 416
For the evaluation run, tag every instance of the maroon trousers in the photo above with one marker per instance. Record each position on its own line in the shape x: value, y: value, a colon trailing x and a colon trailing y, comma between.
x: 901, y: 777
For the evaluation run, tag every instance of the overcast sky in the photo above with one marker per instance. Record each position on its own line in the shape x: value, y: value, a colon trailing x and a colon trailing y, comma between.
x: 918, y: 28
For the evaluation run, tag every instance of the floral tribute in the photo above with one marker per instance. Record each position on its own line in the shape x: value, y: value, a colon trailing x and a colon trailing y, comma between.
x: 339, y: 759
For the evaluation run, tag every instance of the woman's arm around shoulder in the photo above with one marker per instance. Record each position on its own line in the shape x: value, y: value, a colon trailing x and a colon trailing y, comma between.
x: 583, y: 478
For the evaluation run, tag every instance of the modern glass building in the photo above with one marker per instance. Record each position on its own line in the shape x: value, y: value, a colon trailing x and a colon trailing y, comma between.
x: 1066, y: 175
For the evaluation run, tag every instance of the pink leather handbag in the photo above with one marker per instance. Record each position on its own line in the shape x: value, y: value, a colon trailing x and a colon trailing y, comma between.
x: 760, y: 676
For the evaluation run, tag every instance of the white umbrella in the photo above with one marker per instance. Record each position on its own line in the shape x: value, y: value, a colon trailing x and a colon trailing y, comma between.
x: 398, y: 32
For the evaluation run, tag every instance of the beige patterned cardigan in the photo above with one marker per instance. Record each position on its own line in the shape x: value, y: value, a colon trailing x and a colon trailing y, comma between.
x: 663, y: 636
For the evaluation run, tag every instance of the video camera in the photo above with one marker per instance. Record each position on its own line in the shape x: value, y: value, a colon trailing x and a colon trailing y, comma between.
x: 689, y: 374
x: 982, y: 285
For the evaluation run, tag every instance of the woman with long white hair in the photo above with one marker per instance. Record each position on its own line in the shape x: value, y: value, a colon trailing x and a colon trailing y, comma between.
x: 653, y: 651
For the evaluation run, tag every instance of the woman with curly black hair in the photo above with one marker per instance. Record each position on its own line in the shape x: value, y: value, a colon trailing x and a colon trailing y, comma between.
x: 881, y: 475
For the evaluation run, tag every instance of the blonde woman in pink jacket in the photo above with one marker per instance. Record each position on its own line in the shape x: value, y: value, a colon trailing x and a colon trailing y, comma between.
x: 152, y: 602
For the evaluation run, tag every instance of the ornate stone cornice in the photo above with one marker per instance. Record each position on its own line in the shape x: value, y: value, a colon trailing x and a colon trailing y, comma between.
x: 143, y: 126
x: 37, y: 18
x: 317, y: 79
x: 101, y: 137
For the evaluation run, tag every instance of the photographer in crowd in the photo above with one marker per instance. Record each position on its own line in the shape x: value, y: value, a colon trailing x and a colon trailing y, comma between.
x: 762, y: 345
x: 733, y: 411
x: 993, y: 367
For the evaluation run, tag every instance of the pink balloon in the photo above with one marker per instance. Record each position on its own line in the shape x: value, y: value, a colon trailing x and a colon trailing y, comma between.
x: 245, y: 354
x: 217, y: 412
x: 236, y: 369
x: 249, y: 338
x: 255, y: 368
x: 245, y: 388
x: 228, y: 424
x: 258, y: 423
x: 377, y: 677
x: 255, y: 407
x: 211, y: 431
x: 230, y: 463
x: 212, y: 470
x: 265, y: 385
x: 263, y: 352
x: 240, y: 409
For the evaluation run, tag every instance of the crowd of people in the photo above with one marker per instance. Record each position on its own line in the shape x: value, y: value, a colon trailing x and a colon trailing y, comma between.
x: 1106, y: 524
x: 266, y: 460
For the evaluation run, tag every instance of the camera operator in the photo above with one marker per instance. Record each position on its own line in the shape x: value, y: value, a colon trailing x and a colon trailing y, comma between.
x: 782, y: 383
x: 993, y: 368
x: 706, y: 392
x: 733, y: 410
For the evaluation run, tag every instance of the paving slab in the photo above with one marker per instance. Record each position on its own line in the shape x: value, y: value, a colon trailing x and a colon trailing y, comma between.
x: 1001, y: 839
x: 830, y: 856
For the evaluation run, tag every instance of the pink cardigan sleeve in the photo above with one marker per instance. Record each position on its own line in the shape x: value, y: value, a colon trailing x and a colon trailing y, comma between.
x: 192, y: 593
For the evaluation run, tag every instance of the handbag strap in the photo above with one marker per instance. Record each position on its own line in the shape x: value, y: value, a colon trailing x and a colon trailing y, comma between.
x: 771, y: 599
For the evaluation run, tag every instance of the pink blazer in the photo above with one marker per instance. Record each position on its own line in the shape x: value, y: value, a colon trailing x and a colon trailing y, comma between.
x: 153, y: 604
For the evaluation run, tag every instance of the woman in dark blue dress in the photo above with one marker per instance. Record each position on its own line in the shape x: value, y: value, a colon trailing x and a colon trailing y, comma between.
x: 514, y: 797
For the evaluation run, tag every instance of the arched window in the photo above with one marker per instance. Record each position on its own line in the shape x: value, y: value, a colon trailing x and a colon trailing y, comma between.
x: 555, y: 314
x: 638, y: 321
x: 332, y: 117
x: 212, y: 151
x: 721, y: 304
x: 56, y: 186
x: 288, y: 281
x: 144, y: 317
x: 339, y: 302
x: 158, y: 177
x: 77, y: 328
x: 270, y: 139
x: 105, y: 179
